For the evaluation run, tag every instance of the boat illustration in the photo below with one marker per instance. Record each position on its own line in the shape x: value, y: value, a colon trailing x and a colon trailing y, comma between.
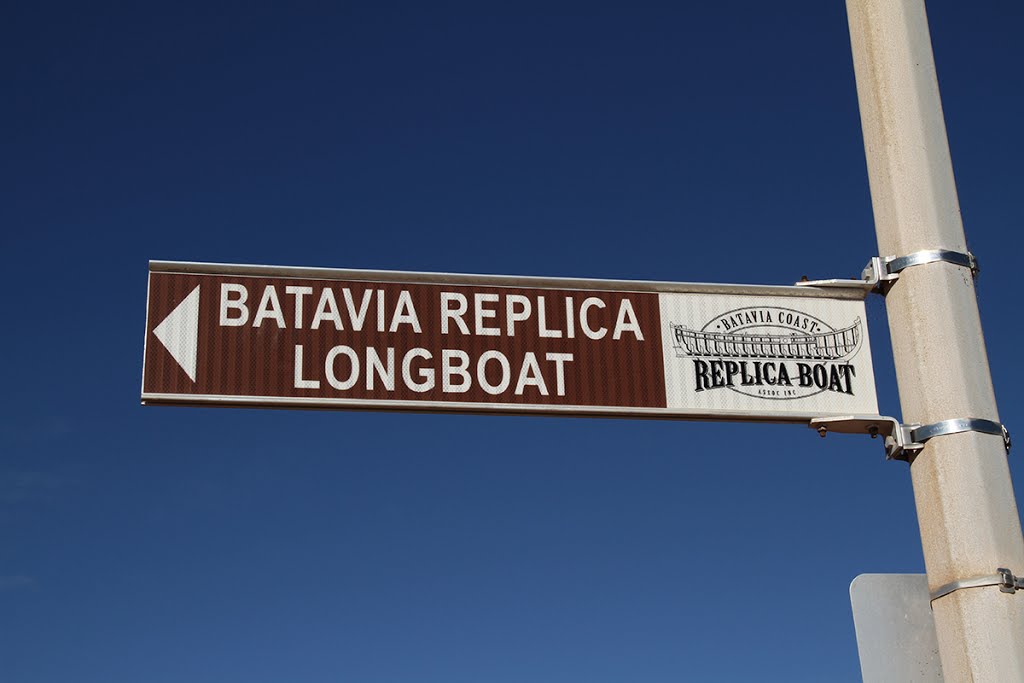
x: 822, y: 346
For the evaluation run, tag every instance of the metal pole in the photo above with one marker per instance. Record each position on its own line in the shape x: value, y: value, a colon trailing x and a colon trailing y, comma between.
x: 965, y: 503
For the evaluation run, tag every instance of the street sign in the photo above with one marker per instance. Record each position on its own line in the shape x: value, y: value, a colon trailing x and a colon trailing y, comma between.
x: 896, y: 637
x: 309, y: 337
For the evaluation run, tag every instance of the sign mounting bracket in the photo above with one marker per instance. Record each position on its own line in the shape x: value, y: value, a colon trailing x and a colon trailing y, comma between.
x: 881, y: 272
x: 899, y: 441
x: 904, y: 442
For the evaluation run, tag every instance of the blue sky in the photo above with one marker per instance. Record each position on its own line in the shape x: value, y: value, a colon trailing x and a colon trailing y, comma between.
x: 708, y: 142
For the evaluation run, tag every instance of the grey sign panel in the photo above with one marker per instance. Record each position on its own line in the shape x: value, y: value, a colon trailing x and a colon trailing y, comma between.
x: 895, y: 632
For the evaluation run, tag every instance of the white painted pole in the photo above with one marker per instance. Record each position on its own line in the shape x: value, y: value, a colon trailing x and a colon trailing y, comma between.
x: 965, y: 503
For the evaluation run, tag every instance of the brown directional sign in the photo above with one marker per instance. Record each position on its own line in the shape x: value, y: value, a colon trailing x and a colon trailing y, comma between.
x: 302, y: 337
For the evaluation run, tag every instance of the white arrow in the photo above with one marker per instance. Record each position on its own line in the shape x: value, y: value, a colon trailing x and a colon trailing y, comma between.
x: 179, y: 333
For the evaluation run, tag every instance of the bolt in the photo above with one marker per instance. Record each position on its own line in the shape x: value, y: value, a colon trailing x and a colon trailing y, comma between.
x: 823, y: 430
x: 873, y: 431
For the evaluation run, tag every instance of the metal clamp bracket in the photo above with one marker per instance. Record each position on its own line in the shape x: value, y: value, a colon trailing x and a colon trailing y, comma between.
x: 882, y: 271
x: 962, y: 424
x: 897, y: 264
x: 904, y: 442
x: 1007, y: 582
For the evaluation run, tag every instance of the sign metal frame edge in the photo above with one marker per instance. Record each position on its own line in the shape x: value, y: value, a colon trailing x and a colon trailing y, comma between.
x: 466, y: 407
x: 524, y: 281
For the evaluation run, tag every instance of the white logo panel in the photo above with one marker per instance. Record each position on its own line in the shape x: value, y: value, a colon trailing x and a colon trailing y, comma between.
x: 766, y: 355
